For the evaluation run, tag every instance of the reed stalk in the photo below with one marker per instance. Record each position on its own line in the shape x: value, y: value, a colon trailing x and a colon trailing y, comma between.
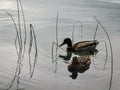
x: 111, y: 73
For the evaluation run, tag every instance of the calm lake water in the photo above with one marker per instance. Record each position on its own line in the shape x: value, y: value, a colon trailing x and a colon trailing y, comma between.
x: 42, y: 14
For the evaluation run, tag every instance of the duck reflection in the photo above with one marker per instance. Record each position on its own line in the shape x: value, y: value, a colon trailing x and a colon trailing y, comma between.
x: 79, y: 65
x: 68, y: 56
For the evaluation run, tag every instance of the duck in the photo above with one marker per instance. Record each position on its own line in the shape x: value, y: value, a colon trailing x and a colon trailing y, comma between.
x: 83, y: 46
x: 79, y: 64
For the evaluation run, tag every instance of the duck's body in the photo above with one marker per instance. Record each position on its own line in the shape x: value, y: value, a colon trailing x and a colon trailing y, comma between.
x: 79, y: 64
x: 83, y: 46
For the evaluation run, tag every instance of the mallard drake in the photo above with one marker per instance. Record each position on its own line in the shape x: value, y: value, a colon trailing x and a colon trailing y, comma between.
x: 83, y: 46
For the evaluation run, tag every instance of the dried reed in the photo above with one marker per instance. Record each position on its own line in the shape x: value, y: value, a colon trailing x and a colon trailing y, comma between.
x: 111, y: 75
x: 20, y: 44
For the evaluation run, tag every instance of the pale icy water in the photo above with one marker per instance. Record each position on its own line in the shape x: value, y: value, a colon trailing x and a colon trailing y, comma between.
x: 42, y: 14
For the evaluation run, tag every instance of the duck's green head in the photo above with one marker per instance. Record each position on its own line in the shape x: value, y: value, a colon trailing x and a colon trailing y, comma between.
x: 67, y: 41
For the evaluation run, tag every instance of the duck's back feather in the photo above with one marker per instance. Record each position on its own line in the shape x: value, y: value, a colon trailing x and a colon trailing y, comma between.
x: 82, y: 65
x: 83, y: 44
